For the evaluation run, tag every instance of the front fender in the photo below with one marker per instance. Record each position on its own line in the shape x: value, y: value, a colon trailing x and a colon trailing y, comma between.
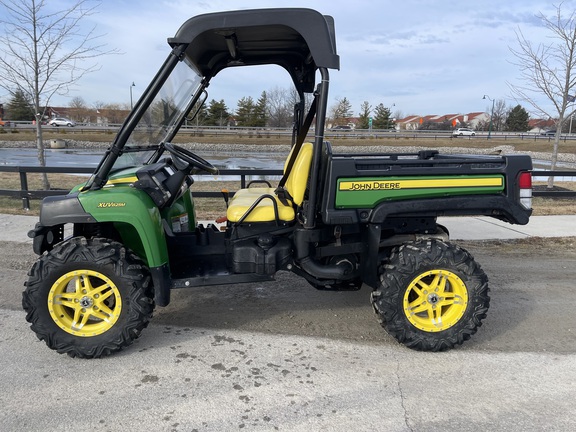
x: 135, y: 217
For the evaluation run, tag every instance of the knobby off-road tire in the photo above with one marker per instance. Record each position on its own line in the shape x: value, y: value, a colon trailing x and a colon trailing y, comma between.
x: 88, y: 298
x: 432, y: 295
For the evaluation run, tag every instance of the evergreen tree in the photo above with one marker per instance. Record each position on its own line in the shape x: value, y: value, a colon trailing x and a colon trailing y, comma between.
x: 382, y: 117
x: 217, y: 114
x: 261, y: 111
x: 517, y: 120
x: 245, y: 113
x: 365, y: 110
x: 19, y: 108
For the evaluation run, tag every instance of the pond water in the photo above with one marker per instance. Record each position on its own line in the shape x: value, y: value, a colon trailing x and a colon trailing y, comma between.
x: 91, y: 158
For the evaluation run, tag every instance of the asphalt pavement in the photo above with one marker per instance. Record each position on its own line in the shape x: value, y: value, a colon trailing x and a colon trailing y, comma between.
x: 183, y: 378
x: 188, y: 379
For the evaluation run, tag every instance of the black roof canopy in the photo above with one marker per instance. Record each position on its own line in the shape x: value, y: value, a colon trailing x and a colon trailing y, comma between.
x: 299, y: 40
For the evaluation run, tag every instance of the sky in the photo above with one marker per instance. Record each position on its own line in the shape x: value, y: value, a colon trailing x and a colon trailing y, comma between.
x: 415, y: 56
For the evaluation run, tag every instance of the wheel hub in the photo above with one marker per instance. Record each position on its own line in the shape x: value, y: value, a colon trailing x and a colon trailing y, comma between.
x: 86, y: 302
x: 433, y: 299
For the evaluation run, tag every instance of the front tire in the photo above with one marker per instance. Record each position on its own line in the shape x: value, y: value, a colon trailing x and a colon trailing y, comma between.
x: 432, y: 295
x: 88, y: 298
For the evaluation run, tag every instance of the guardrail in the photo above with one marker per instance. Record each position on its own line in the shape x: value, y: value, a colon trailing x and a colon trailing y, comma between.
x: 272, y: 132
x: 26, y: 195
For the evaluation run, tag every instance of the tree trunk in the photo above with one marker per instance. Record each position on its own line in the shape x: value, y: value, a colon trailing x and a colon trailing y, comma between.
x: 554, y: 160
x: 40, y: 148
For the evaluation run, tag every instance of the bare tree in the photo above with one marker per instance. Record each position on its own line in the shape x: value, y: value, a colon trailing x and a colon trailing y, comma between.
x: 496, y: 114
x: 98, y: 105
x: 79, y: 110
x: 78, y: 103
x: 499, y: 115
x: 549, y: 70
x: 45, y: 52
x: 279, y: 108
x: 341, y: 111
x: 398, y: 114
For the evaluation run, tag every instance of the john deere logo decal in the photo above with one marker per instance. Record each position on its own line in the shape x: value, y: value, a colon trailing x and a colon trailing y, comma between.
x: 369, y: 192
x: 369, y: 185
x: 419, y: 183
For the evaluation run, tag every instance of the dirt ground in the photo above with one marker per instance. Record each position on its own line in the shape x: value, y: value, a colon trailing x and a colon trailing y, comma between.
x: 532, y: 300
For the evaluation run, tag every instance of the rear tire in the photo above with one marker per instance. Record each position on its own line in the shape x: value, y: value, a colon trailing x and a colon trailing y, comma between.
x: 432, y: 295
x: 88, y: 298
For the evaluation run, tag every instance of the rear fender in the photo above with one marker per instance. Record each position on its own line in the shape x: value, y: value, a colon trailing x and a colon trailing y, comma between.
x: 497, y: 206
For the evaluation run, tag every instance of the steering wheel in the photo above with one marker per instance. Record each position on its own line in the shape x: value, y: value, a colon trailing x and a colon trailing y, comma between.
x: 192, y: 159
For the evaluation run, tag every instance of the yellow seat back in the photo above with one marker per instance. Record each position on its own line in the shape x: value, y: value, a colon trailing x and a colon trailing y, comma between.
x: 296, y: 183
x: 288, y: 159
x: 298, y: 178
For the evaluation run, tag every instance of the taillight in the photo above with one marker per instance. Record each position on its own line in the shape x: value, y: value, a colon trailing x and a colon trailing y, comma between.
x: 525, y: 184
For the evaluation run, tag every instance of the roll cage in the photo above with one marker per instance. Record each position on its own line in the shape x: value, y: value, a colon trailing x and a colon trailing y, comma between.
x: 302, y: 41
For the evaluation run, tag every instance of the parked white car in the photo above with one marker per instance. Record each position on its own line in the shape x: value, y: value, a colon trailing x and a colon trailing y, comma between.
x: 61, y: 121
x: 463, y: 132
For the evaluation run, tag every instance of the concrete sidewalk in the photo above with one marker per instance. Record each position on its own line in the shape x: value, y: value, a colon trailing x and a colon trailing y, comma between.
x: 487, y: 228
x: 15, y: 228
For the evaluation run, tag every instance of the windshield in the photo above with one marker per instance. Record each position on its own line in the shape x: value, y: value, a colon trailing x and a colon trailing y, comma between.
x: 162, y: 116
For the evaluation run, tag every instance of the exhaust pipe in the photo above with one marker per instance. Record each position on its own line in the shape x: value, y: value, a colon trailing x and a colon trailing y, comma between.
x: 320, y: 271
x: 302, y: 240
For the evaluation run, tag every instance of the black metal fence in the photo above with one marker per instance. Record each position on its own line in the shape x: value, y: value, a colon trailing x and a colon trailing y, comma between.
x: 26, y: 194
x: 554, y: 193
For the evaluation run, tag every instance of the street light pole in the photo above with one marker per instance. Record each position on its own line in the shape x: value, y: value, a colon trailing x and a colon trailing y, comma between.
x: 389, y: 115
x: 491, y: 115
x: 131, y: 104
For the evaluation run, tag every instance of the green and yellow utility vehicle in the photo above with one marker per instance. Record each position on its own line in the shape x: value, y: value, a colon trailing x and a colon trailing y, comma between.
x: 115, y: 246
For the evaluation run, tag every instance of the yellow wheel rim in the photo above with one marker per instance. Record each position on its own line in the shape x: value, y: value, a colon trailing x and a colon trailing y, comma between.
x: 435, y: 300
x: 84, y: 303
